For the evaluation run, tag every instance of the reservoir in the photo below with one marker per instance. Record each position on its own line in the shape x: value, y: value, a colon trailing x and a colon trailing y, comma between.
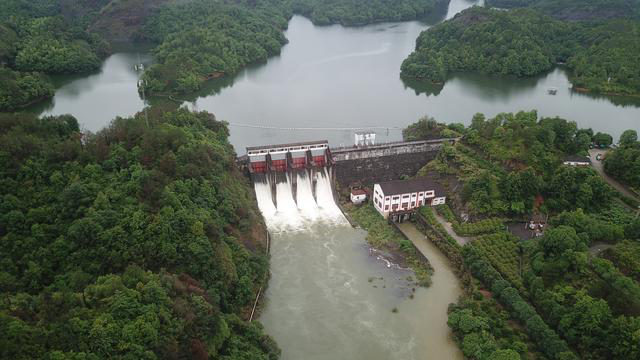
x: 337, y: 77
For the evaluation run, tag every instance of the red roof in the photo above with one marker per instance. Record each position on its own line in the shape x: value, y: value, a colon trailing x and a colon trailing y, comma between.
x: 358, y: 192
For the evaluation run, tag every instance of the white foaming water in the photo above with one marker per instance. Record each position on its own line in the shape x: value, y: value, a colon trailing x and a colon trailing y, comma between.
x: 326, y: 202
x: 304, y: 196
x: 286, y: 215
x: 284, y: 198
x: 265, y: 202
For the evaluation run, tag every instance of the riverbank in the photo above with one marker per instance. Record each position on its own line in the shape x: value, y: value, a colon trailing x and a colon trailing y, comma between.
x: 446, y: 283
x: 384, y: 237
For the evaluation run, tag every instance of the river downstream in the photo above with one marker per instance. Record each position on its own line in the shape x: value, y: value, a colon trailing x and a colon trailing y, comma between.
x: 331, y: 296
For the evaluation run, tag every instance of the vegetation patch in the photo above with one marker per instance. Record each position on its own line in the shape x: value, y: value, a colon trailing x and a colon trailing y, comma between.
x: 623, y: 163
x: 129, y: 243
x: 525, y: 42
x: 382, y: 235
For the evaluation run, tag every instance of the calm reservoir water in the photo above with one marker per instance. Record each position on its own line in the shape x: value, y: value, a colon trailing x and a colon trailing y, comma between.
x: 342, y: 77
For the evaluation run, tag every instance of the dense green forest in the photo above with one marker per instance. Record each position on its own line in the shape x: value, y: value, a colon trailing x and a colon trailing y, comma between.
x: 576, y: 9
x: 22, y: 88
x: 570, y: 300
x: 140, y: 242
x: 202, y: 39
x: 360, y: 12
x: 601, y: 57
x: 38, y: 38
x: 623, y: 163
x: 522, y: 166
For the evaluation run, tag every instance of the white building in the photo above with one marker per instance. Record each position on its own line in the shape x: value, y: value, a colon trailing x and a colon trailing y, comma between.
x: 365, y: 138
x: 358, y: 196
x: 404, y: 196
x: 577, y: 160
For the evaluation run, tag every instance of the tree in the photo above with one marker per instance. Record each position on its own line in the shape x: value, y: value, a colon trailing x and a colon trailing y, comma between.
x: 504, y: 354
x: 602, y: 139
x: 628, y: 138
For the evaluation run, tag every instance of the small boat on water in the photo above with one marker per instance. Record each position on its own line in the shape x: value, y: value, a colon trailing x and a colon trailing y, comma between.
x: 552, y: 91
x: 139, y: 67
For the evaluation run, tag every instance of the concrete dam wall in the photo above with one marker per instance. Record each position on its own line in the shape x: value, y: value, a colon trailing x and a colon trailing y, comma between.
x: 384, y: 162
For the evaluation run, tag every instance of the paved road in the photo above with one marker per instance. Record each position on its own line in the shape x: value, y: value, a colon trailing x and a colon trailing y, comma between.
x: 598, y: 166
x: 447, y: 226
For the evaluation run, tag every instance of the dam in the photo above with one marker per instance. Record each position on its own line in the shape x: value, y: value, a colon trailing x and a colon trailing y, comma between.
x: 292, y: 172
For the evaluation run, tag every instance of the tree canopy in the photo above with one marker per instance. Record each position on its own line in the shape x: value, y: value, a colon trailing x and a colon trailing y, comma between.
x: 623, y: 163
x: 577, y: 9
x: 602, y: 56
x: 360, y: 12
x: 38, y: 38
x: 140, y: 241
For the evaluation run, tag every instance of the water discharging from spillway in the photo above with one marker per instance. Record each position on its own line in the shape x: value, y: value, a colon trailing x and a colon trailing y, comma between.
x: 331, y: 297
x: 289, y: 214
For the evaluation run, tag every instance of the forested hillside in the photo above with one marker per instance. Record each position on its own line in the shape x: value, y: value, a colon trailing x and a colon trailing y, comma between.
x: 570, y: 300
x: 138, y: 242
x: 360, y: 12
x: 201, y: 39
x: 577, y: 9
x: 602, y: 57
x: 36, y: 38
x: 623, y: 163
x: 524, y: 155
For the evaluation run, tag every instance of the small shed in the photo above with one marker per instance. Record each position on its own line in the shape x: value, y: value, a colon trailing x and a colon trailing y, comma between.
x: 577, y: 160
x: 358, y: 196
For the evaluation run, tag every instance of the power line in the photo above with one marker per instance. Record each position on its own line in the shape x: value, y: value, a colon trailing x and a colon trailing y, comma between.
x: 316, y: 128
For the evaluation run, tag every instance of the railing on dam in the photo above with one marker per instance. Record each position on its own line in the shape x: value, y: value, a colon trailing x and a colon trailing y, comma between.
x: 388, y: 149
x: 378, y: 150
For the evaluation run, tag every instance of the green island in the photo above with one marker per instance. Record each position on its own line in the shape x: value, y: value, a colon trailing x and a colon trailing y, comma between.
x: 567, y: 294
x: 575, y: 10
x: 43, y: 38
x: 141, y: 241
x: 601, y: 56
x: 362, y: 12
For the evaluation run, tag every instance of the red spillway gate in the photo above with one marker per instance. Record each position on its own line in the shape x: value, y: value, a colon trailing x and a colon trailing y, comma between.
x: 281, y: 157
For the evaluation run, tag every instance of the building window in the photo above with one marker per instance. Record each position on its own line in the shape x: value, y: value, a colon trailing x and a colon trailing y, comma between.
x: 396, y: 197
x: 394, y: 207
x: 413, y: 204
x: 386, y: 208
